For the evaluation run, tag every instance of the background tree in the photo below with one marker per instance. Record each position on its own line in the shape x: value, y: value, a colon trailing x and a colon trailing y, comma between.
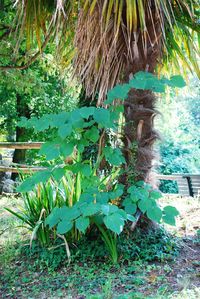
x: 179, y: 122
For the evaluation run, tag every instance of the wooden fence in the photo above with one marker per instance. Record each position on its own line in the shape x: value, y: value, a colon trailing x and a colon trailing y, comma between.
x: 19, y: 168
x: 188, y: 184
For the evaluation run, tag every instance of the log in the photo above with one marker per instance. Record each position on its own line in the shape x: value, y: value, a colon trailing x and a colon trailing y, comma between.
x: 21, y: 145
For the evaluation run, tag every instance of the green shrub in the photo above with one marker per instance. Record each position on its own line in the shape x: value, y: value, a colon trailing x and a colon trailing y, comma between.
x: 92, y: 195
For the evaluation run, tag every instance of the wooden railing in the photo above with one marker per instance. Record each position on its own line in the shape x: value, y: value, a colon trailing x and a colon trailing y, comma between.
x: 188, y: 184
x: 19, y: 168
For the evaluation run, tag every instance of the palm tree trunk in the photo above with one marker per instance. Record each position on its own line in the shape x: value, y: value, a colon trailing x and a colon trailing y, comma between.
x: 139, y: 134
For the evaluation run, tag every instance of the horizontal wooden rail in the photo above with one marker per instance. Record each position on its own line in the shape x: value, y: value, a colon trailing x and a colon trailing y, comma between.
x: 168, y: 177
x: 20, y: 169
x: 21, y: 145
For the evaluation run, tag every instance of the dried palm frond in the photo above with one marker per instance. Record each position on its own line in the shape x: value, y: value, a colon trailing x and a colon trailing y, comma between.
x: 117, y: 38
x: 114, y: 38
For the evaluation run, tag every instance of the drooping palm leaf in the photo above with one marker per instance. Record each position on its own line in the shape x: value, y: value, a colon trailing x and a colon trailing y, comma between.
x: 114, y: 38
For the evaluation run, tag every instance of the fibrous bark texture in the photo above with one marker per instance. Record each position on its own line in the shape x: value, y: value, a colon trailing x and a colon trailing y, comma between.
x: 139, y: 134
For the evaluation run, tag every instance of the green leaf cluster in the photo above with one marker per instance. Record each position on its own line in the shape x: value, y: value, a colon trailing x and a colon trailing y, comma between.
x: 141, y: 196
x: 144, y: 81
x: 87, y: 211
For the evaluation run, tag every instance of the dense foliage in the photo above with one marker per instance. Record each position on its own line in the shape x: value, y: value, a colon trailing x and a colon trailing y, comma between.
x: 92, y: 195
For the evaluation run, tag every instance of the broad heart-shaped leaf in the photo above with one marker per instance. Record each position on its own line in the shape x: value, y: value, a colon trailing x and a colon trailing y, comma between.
x: 42, y: 124
x: 118, y: 192
x: 41, y: 176
x: 118, y: 92
x: 169, y: 215
x: 65, y: 130
x: 131, y: 208
x: 130, y: 217
x: 85, y: 170
x: 64, y: 227
x: 138, y: 192
x: 51, y: 150
x: 53, y: 218
x: 26, y: 186
x: 169, y: 219
x: 81, y: 144
x: 102, y: 197
x: 76, y: 119
x: 82, y: 224
x: 86, y: 112
x: 114, y: 222
x: 91, y: 209
x: 177, y: 81
x: 155, y: 214
x: 122, y: 213
x: 92, y: 134
x: 155, y: 195
x: 145, y: 204
x: 171, y: 210
x: 86, y: 197
x: 58, y: 173
x: 69, y: 214
x: 114, y: 156
x: 102, y: 117
x: 59, y: 119
x: 109, y: 209
x: 137, y: 83
x: 66, y: 148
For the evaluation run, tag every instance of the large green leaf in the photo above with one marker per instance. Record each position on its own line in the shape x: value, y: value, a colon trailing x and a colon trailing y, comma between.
x: 169, y: 215
x: 145, y: 204
x: 92, y: 134
x: 138, y: 193
x: 82, y: 224
x: 131, y: 208
x: 65, y: 130
x: 177, y: 81
x: 64, y: 227
x: 155, y: 195
x: 155, y: 214
x: 114, y: 222
x: 102, y: 117
x: 102, y: 197
x: 118, y: 92
x: 26, y: 186
x: 91, y: 209
x: 69, y: 214
x: 39, y: 177
x: 109, y: 209
x: 66, y: 148
x: 86, y: 112
x: 114, y: 156
x: 51, y: 150
x: 53, y: 218
x: 58, y: 173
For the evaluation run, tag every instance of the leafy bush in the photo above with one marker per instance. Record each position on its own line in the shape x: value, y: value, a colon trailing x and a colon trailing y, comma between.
x: 93, y: 196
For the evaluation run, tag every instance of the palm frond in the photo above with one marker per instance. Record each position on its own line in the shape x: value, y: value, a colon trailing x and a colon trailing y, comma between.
x: 114, y: 38
x: 117, y: 38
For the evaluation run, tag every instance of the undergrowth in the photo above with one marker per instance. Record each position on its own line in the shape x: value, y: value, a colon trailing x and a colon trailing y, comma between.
x: 154, y: 245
